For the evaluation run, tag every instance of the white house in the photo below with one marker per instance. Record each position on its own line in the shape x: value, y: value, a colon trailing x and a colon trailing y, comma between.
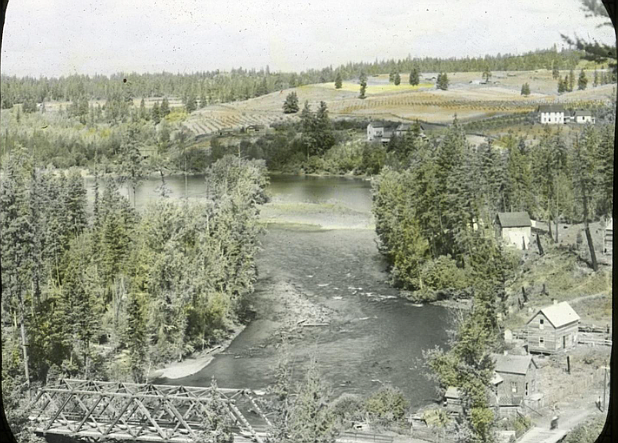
x: 583, y: 117
x: 383, y: 132
x: 515, y: 228
x: 551, y: 114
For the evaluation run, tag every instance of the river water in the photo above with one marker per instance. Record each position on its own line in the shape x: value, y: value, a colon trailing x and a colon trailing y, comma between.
x: 320, y: 242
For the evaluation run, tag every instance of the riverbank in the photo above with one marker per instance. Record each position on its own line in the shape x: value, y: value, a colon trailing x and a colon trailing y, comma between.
x: 197, y: 361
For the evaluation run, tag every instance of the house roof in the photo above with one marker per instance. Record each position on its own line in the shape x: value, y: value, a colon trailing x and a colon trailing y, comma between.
x: 513, y: 364
x: 559, y: 314
x: 551, y: 108
x: 582, y: 114
x: 514, y: 219
x: 452, y: 392
x: 387, y: 125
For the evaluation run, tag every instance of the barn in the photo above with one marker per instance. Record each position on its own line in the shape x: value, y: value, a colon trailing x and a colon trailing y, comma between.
x: 583, y: 117
x: 515, y: 228
x: 553, y: 329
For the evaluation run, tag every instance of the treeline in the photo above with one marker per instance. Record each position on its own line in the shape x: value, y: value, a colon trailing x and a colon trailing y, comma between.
x: 203, y: 88
x: 98, y: 139
x: 105, y: 292
x: 435, y: 206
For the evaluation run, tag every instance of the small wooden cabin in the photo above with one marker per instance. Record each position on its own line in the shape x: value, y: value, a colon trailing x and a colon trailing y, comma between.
x: 515, y: 228
x: 553, y: 329
x: 453, y: 400
x: 519, y: 381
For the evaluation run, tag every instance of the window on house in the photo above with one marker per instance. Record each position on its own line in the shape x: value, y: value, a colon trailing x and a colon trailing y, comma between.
x: 541, y: 323
x: 514, y: 387
x: 541, y: 342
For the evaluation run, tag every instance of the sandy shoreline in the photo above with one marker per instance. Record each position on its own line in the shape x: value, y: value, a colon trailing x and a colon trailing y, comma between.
x: 196, y: 362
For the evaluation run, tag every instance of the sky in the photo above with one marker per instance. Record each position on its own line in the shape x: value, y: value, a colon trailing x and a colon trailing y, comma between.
x: 63, y: 37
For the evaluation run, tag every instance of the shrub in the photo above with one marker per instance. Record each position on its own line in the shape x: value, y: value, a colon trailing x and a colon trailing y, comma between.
x: 443, y: 273
x: 387, y: 405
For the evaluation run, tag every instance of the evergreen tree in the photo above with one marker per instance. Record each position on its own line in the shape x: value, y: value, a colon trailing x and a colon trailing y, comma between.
x: 136, y: 337
x: 397, y: 79
x: 414, y: 77
x: 307, y: 124
x: 442, y: 81
x: 311, y: 419
x: 290, y: 105
x: 191, y: 102
x: 555, y: 73
x: 165, y: 107
x: 486, y: 74
x: 595, y: 81
x: 571, y: 81
x: 156, y: 113
x: 582, y: 81
x: 323, y: 130
x: 561, y: 85
x: 142, y: 109
x: 338, y: 81
x: 363, y: 85
x: 525, y: 89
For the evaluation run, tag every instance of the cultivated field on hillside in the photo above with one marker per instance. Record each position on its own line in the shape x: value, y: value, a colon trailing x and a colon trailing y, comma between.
x: 465, y: 97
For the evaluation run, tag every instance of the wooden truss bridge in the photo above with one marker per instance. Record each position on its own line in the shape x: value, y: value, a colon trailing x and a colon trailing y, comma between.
x: 144, y: 412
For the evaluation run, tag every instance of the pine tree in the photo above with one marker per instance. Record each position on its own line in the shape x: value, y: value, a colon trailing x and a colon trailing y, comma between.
x: 290, y: 105
x: 582, y: 81
x: 136, y: 337
x: 397, y: 79
x: 165, y: 107
x: 191, y: 102
x: 561, y: 85
x: 414, y: 77
x: 486, y: 74
x: 595, y: 82
x: 525, y: 89
x: 338, y: 81
x: 307, y: 124
x: 571, y: 81
x: 156, y: 113
x: 555, y: 73
x: 311, y: 419
x: 442, y: 81
x: 323, y: 130
x: 363, y: 85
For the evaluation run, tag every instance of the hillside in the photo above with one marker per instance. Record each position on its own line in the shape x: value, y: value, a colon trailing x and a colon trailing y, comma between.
x: 465, y: 97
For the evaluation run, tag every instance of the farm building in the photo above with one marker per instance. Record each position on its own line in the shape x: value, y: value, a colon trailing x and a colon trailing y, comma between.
x: 514, y: 228
x: 519, y: 380
x: 383, y: 132
x: 608, y: 241
x: 553, y: 329
x: 583, y: 117
x: 551, y: 114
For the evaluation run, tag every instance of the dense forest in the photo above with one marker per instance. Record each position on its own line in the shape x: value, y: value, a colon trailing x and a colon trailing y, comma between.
x: 98, y: 290
x: 203, y: 88
x: 437, y: 201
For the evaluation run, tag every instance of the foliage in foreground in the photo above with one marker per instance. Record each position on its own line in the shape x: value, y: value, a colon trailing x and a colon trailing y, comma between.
x: 105, y: 291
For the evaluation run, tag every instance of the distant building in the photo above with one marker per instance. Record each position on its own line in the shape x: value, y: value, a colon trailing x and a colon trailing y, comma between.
x: 514, y: 228
x: 383, y: 132
x: 553, y: 329
x: 583, y: 117
x: 551, y: 114
x: 608, y: 241
x: 519, y: 380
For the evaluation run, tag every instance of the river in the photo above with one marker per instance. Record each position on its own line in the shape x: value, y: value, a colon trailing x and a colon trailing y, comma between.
x: 320, y: 245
